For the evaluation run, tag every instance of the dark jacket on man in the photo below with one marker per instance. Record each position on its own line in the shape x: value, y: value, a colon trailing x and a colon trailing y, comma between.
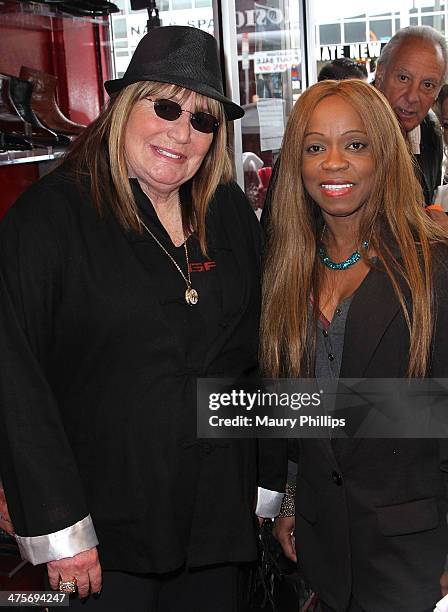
x: 429, y: 170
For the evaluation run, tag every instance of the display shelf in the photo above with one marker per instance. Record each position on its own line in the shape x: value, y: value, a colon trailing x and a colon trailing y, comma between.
x: 9, y: 158
x: 75, y: 50
x: 24, y: 15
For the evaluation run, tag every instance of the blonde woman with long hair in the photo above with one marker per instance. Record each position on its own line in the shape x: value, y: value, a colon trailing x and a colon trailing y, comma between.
x: 124, y: 275
x: 355, y: 285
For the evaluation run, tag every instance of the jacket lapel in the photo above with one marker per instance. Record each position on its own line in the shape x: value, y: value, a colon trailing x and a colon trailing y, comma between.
x: 372, y: 310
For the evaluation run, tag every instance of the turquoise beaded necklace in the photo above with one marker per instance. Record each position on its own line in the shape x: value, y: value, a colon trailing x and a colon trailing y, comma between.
x: 342, y: 265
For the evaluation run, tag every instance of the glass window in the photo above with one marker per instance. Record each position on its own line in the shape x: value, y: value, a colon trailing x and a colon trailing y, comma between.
x: 384, y: 19
x: 201, y: 3
x: 270, y: 76
x: 421, y: 4
x: 355, y: 32
x: 121, y: 4
x: 181, y: 4
x: 436, y: 21
x: 120, y: 30
x: 381, y: 29
x: 330, y: 34
x: 163, y: 5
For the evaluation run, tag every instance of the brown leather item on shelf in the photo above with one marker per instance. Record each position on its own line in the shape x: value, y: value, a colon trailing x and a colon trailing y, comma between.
x: 44, y: 103
x: 20, y: 91
x: 20, y: 94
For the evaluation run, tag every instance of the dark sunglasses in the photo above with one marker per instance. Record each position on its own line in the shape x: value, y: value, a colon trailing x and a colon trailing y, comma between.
x: 200, y: 121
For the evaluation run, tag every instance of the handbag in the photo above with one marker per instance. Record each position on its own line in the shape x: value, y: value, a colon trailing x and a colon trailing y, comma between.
x: 277, y: 583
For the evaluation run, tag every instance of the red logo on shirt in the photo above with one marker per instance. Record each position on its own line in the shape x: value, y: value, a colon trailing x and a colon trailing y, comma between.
x: 202, y: 266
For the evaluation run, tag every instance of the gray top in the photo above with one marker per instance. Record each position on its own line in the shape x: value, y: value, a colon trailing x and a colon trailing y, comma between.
x: 330, y: 341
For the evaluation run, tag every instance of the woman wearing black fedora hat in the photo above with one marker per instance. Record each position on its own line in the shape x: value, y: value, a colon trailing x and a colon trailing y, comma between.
x: 127, y: 273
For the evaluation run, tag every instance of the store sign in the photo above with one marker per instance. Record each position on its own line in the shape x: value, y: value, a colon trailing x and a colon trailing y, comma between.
x: 201, y: 18
x: 355, y: 51
x: 259, y: 16
x: 275, y: 61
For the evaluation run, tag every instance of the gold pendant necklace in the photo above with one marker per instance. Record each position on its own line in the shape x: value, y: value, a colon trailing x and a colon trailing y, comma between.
x: 191, y: 295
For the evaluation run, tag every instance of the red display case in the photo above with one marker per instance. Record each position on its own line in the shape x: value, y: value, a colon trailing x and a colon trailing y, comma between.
x: 74, y: 49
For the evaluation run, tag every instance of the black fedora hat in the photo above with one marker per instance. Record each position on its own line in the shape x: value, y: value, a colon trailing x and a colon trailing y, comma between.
x: 180, y: 55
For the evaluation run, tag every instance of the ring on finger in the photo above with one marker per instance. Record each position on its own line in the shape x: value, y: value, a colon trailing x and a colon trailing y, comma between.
x: 68, y: 586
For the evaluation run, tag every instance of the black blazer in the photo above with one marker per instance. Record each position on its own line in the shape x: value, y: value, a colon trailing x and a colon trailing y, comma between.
x: 371, y: 514
x: 97, y: 402
x: 429, y: 162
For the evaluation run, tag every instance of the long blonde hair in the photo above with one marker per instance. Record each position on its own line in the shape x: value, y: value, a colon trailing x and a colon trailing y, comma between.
x: 99, y: 152
x: 393, y: 219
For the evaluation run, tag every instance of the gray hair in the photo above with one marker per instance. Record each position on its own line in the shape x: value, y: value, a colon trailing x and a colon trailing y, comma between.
x: 426, y: 33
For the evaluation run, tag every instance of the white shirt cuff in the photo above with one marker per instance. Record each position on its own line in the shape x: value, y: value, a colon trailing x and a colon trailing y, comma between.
x: 269, y: 502
x: 67, y: 542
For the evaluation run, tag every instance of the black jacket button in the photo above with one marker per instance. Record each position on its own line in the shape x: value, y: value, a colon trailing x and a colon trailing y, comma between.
x: 337, y: 478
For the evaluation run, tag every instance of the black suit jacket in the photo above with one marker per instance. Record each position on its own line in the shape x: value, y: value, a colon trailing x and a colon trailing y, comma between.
x: 429, y: 162
x: 97, y: 401
x: 371, y: 514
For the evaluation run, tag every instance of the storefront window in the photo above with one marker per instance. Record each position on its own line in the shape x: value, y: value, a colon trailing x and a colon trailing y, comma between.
x: 271, y: 79
x: 435, y: 21
x: 181, y: 4
x: 330, y: 34
x: 120, y: 30
x: 380, y: 30
x: 363, y: 38
x: 270, y: 51
x: 355, y: 31
x: 431, y: 7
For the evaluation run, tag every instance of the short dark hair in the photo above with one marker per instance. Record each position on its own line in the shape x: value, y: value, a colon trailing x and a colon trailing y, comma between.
x: 342, y: 68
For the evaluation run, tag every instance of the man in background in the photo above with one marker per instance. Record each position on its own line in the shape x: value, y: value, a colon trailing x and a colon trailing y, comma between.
x: 410, y: 72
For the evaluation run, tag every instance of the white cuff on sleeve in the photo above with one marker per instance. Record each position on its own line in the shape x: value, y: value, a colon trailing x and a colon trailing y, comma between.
x: 67, y: 542
x: 269, y: 503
